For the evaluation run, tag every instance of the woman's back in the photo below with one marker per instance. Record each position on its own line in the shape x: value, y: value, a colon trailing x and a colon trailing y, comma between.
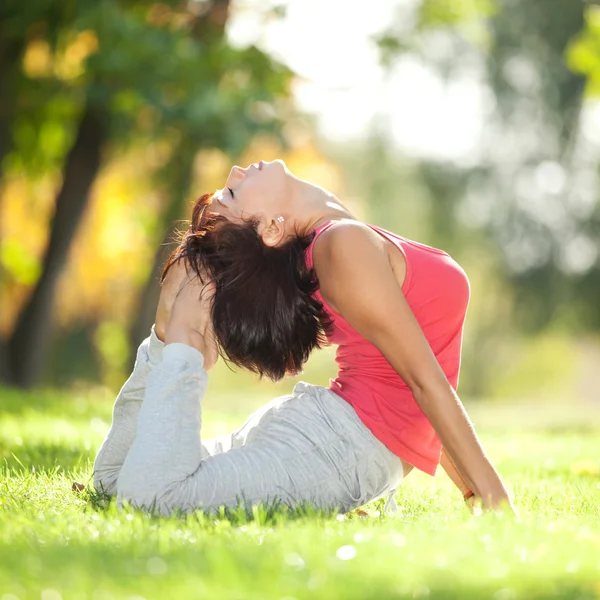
x: 437, y: 291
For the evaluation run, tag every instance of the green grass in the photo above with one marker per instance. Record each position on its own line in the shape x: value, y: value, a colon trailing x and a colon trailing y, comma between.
x: 55, y: 543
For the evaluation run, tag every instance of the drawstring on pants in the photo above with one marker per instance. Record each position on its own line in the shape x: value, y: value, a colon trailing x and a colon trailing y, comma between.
x: 391, y: 508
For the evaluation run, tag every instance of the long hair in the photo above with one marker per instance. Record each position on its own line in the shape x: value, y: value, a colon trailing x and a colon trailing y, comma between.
x: 264, y: 313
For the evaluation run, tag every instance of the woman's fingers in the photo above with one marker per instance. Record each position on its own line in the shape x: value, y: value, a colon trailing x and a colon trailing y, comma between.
x: 193, y: 303
x: 171, y: 286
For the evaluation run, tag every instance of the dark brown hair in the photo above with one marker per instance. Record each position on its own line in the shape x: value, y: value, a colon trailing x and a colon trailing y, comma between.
x: 265, y: 317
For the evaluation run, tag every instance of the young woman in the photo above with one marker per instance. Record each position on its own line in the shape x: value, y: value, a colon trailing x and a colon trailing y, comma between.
x: 243, y: 282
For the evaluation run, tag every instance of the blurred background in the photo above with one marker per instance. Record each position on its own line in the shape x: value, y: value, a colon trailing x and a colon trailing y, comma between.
x: 470, y: 125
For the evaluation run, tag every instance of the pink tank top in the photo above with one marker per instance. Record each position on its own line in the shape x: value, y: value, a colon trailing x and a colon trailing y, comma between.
x: 437, y: 290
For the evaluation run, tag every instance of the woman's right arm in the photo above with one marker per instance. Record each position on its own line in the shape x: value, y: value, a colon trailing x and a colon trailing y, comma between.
x: 356, y: 280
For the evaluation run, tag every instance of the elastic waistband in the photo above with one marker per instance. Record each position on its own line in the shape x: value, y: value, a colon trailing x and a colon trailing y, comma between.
x: 351, y: 421
x: 321, y: 394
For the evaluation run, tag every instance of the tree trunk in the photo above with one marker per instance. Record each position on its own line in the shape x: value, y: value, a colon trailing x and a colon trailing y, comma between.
x: 208, y: 27
x: 10, y: 73
x: 29, y: 340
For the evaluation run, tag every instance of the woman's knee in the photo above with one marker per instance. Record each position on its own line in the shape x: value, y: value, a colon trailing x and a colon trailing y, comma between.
x: 138, y: 490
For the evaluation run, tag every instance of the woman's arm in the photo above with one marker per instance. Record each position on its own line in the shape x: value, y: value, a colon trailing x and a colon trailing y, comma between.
x: 457, y: 478
x: 357, y: 280
x: 121, y: 435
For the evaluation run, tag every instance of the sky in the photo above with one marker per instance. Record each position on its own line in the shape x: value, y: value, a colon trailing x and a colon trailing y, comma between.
x: 329, y: 44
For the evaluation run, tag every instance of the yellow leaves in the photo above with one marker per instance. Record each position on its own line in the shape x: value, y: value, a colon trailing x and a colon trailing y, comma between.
x: 112, y: 251
x: 66, y: 63
x: 70, y: 64
x: 24, y: 214
x: 37, y: 61
x: 110, y: 256
x: 117, y: 239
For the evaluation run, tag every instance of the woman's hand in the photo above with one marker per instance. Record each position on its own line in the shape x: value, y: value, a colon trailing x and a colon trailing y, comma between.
x: 190, y: 321
x: 177, y: 275
x: 501, y: 503
x: 498, y: 499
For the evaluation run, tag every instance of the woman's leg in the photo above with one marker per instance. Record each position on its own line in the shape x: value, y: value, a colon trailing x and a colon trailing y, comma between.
x: 120, y: 437
x: 310, y: 446
x: 167, y: 447
x: 115, y: 446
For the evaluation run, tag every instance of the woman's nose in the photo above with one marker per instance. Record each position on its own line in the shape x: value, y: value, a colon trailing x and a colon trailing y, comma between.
x: 238, y: 173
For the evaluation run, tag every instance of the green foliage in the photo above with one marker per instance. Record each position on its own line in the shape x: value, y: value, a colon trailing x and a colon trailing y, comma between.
x: 56, y: 541
x: 131, y: 61
x: 120, y: 76
x: 435, y: 13
x: 584, y: 53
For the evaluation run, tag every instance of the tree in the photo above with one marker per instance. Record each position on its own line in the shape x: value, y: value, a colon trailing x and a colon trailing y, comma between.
x: 254, y: 82
x: 169, y: 59
x: 526, y: 186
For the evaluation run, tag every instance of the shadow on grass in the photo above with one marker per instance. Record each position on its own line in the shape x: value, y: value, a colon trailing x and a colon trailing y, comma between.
x: 84, y: 404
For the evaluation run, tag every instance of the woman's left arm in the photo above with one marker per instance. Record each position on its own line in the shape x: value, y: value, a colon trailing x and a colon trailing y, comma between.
x: 356, y: 279
x: 456, y: 478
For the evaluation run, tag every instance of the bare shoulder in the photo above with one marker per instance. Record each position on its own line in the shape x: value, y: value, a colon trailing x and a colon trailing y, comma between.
x: 350, y: 250
x: 345, y: 241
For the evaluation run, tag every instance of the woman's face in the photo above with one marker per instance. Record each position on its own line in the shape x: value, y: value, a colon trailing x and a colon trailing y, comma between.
x: 259, y: 191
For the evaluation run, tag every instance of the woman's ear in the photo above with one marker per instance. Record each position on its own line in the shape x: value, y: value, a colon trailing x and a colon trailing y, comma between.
x: 273, y: 233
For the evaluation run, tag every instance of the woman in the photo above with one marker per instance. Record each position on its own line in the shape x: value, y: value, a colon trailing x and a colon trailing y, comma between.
x: 242, y: 281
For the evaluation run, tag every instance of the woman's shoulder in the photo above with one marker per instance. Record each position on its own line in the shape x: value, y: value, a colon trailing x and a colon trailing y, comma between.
x: 347, y: 240
x: 345, y: 234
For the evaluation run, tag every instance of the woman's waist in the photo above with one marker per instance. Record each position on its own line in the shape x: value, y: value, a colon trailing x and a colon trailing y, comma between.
x: 376, y: 395
x: 374, y: 370
x: 394, y: 417
x: 384, y: 382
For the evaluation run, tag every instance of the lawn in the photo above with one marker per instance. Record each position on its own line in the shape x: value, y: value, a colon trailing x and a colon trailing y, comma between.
x: 56, y: 543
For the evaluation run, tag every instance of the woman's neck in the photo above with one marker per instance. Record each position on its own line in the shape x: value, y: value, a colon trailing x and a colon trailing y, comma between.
x: 313, y: 206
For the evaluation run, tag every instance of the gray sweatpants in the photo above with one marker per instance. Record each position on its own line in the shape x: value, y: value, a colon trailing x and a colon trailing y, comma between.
x: 309, y: 446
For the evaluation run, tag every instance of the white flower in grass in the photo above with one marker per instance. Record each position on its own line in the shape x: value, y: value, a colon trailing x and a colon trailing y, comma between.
x: 346, y: 552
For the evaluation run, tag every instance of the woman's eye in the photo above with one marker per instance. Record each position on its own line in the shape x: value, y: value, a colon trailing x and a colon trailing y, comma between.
x: 231, y: 192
